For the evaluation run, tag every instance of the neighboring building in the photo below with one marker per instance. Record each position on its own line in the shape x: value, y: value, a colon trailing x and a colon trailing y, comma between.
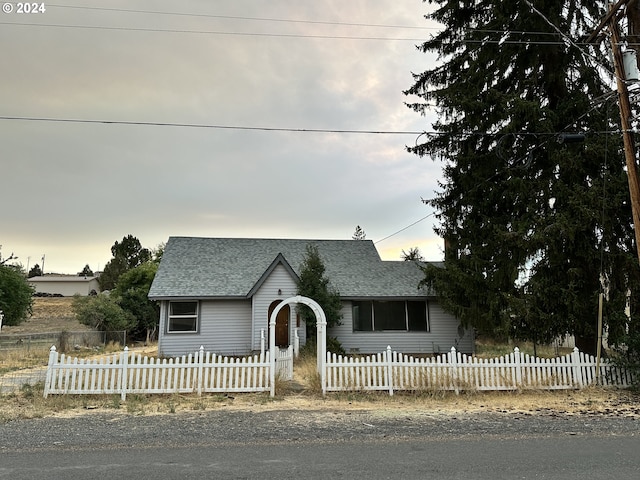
x: 219, y: 293
x: 65, y: 285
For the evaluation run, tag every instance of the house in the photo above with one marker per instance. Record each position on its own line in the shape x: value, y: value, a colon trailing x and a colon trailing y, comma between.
x: 64, y: 285
x: 219, y: 293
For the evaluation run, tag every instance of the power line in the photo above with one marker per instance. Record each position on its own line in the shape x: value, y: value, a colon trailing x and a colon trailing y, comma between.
x: 211, y: 32
x: 568, y: 39
x: 285, y: 129
x: 276, y: 129
x: 235, y: 17
x: 403, y: 229
x: 288, y: 20
x: 298, y: 35
x: 213, y: 126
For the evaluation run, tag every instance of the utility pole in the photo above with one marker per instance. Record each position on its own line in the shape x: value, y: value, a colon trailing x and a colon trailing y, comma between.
x: 632, y: 11
x: 627, y: 133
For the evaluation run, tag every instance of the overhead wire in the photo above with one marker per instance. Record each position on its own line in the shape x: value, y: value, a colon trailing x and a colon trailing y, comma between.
x: 237, y: 17
x: 405, y: 228
x: 281, y: 129
x: 281, y: 35
x: 213, y: 126
x: 502, y: 40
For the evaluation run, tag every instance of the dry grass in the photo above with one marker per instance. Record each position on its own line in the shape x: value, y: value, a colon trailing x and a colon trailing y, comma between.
x: 305, y: 373
x: 304, y: 392
x: 50, y: 314
x: 488, y: 348
x: 13, y: 360
x: 29, y: 403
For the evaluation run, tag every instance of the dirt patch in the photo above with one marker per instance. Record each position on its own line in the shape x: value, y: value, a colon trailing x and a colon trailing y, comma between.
x: 50, y: 314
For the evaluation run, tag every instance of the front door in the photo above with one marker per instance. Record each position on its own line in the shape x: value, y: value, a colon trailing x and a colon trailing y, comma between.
x: 282, y: 324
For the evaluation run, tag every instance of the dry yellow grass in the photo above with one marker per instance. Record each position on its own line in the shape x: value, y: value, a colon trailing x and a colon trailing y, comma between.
x: 50, y: 314
x: 303, y: 393
x: 29, y: 403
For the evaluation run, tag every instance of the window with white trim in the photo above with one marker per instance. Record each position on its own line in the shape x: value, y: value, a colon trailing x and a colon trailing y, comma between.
x: 183, y: 317
x: 383, y: 315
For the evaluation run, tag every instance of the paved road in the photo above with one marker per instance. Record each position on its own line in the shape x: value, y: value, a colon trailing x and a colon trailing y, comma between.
x: 322, y: 444
x: 479, y: 459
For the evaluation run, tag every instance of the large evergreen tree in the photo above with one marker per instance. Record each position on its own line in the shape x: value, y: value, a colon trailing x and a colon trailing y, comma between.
x: 534, y: 229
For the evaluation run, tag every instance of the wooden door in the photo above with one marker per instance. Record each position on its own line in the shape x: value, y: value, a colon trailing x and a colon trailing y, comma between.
x: 282, y: 324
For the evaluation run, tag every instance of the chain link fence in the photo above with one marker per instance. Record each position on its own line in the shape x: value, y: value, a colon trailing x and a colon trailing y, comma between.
x: 63, y: 341
x: 36, y: 347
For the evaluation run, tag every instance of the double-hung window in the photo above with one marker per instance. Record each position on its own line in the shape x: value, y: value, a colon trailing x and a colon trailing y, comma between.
x: 392, y: 315
x: 183, y: 317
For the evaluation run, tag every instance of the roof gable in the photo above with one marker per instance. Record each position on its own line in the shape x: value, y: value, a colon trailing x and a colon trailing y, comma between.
x: 236, y: 267
x: 279, y: 260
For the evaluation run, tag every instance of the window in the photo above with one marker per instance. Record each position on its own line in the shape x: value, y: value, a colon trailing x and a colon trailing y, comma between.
x: 399, y: 315
x: 389, y: 316
x: 183, y: 317
x: 417, y: 317
x: 362, y: 317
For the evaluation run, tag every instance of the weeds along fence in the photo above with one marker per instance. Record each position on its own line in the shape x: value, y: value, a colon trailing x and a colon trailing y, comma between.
x: 123, y: 373
x: 64, y: 341
x: 391, y: 371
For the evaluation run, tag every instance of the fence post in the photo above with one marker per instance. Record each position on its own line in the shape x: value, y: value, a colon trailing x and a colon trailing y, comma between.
x: 518, y: 366
x: 296, y: 343
x: 262, y: 341
x: 577, y: 367
x: 200, y: 368
x: 453, y: 362
x: 124, y: 362
x: 53, y: 359
x: 389, y: 369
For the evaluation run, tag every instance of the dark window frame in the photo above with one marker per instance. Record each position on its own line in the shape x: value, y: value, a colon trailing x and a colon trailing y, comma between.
x: 194, y: 317
x: 364, y: 316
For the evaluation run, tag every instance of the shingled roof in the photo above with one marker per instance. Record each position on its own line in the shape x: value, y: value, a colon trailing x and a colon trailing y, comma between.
x: 233, y: 267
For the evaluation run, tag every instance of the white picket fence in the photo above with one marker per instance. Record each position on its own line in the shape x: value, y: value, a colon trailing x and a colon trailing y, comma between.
x: 284, y: 362
x: 123, y: 373
x: 391, y: 371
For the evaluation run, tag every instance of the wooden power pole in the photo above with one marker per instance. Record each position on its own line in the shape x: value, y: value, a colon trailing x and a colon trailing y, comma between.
x: 627, y: 133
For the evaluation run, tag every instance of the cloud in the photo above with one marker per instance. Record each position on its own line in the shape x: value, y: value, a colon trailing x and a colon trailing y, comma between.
x: 75, y: 188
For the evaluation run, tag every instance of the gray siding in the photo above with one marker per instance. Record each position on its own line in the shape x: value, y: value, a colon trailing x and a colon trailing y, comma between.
x: 442, y: 336
x: 224, y: 328
x: 268, y: 293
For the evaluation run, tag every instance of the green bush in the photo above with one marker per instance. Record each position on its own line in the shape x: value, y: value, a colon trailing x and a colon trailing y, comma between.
x: 102, y: 313
x: 15, y: 295
x: 309, y: 349
x: 627, y: 357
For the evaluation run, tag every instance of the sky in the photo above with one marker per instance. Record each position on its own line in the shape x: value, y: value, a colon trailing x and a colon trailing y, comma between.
x: 211, y: 104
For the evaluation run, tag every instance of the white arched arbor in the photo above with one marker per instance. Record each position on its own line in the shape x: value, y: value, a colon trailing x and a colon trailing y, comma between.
x: 321, y: 325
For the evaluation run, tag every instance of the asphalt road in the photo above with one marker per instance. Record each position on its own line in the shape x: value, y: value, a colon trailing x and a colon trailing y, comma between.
x: 322, y: 444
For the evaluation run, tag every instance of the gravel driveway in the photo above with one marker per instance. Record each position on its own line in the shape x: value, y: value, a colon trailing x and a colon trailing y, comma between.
x: 223, y: 427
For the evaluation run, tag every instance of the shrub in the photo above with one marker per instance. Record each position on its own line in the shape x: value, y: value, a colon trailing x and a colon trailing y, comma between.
x: 102, y: 313
x: 15, y: 295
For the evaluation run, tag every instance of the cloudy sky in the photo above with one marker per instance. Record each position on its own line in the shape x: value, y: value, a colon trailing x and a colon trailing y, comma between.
x: 170, y: 75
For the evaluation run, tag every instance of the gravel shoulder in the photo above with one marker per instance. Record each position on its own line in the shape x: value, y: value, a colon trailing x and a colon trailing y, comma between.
x: 229, y: 427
